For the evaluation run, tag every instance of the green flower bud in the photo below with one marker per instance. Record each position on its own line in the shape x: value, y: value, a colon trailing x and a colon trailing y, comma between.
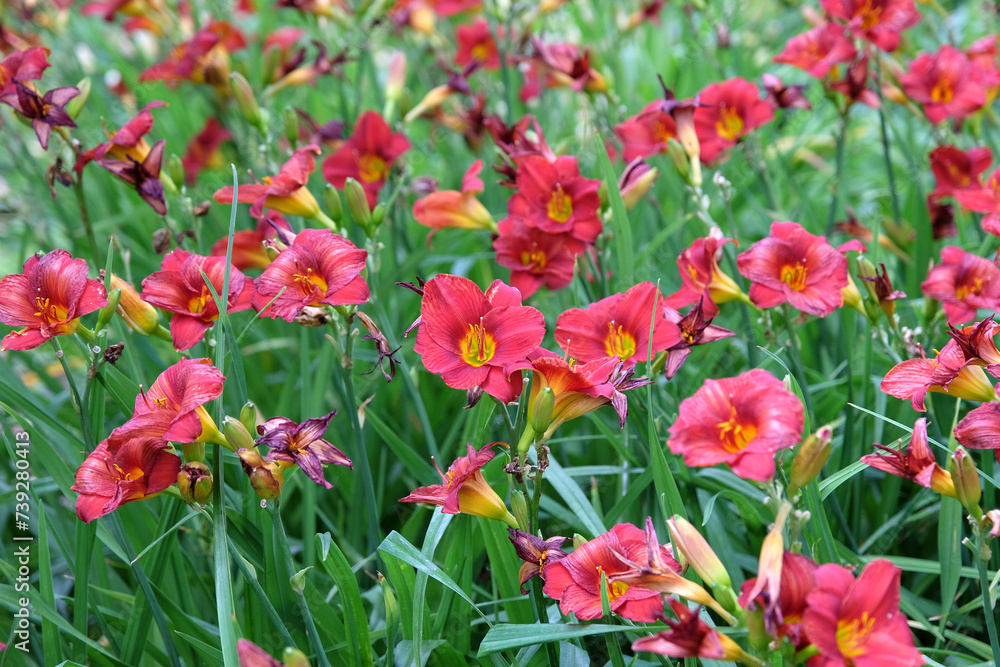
x: 75, y: 106
x: 293, y: 657
x: 247, y: 101
x: 248, y: 417
x: 357, y: 204
x: 378, y: 215
x: 176, y: 169
x: 810, y: 459
x: 679, y: 157
x: 966, y: 478
x: 291, y: 121
x: 333, y: 206
x: 540, y: 415
x: 237, y: 434
x: 519, y: 508
x: 114, y: 298
x: 579, y: 540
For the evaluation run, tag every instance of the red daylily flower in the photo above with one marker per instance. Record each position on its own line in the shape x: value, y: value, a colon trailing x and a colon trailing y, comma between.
x: 690, y: 637
x: 45, y: 111
x: 26, y: 65
x: 178, y: 287
x: 286, y: 192
x: 985, y: 57
x: 47, y: 298
x: 741, y: 421
x: 553, y: 196
x: 728, y: 111
x: 251, y: 655
x: 783, y: 617
x: 319, y: 268
x: 476, y: 43
x: 202, y: 59
x: 536, y: 553
x: 978, y: 346
x: 175, y: 402
x: 948, y: 373
x: 695, y: 329
x: 798, y: 267
x: 534, y: 257
x: 248, y: 245
x: 984, y: 199
x: 316, y: 7
x: 468, y: 337
x: 858, y: 622
x: 367, y: 156
x: 302, y: 444
x: 463, y: 489
x: 980, y: 429
x: 916, y: 463
x: 945, y: 84
x: 702, y: 279
x: 203, y: 150
x: 647, y: 132
x: 420, y: 14
x: 963, y: 283
x: 617, y: 326
x: 877, y: 21
x: 819, y: 50
x: 128, y: 142
x: 955, y: 169
x: 451, y: 208
x: 135, y: 469
x: 575, y: 580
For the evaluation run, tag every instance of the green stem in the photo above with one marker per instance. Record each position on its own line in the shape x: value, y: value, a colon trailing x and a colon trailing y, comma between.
x: 797, y: 365
x: 991, y: 620
x: 285, y: 554
x: 88, y: 228
x: 251, y: 579
x: 223, y: 585
x: 896, y: 215
x: 838, y: 174
x: 88, y: 433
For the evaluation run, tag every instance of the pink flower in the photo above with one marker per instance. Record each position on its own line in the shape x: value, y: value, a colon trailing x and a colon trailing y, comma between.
x: 964, y: 283
x: 945, y: 83
x: 819, y: 50
x: 877, y: 21
x: 535, y: 257
x: 948, y: 373
x: 728, y: 111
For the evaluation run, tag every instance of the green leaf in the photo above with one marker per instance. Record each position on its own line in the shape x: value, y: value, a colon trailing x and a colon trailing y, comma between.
x: 336, y: 565
x: 504, y: 637
x: 571, y: 493
x: 624, y: 262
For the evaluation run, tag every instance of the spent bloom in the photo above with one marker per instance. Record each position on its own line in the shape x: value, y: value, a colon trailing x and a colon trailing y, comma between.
x: 695, y: 329
x: 916, y: 463
x: 575, y: 580
x: 319, y: 268
x: 464, y: 489
x: 302, y: 444
x: 618, y: 326
x: 536, y: 553
x: 741, y: 421
x: 44, y: 111
x: 691, y: 637
x: 367, y: 156
x: 47, y: 299
x: 468, y: 337
x: 963, y: 283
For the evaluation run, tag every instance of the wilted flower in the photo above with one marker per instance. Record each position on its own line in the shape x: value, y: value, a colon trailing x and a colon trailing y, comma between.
x: 575, y: 580
x: 535, y: 257
x: 302, y: 444
x: 562, y: 65
x: 536, y: 553
x: 945, y: 84
x: 469, y: 337
x: 702, y: 279
x: 916, y: 463
x: 978, y: 346
x: 367, y: 156
x: 45, y: 112
x: 728, y: 111
x: 695, y: 329
x: 47, y: 298
x: 318, y: 268
x: 618, y: 326
x: 691, y: 637
x: 463, y: 489
x: 451, y: 208
x: 963, y: 283
x: 266, y: 477
x: 948, y: 373
x: 781, y: 96
x: 741, y: 421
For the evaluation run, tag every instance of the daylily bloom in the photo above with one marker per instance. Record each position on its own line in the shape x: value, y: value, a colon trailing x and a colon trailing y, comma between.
x: 367, y: 156
x: 695, y: 329
x: 783, y: 617
x: 702, y: 279
x: 553, y: 196
x: 468, y: 337
x: 135, y: 469
x: 858, y: 622
x: 577, y: 389
x: 798, y: 267
x: 534, y: 257
x: 178, y: 287
x: 877, y: 21
x: 137, y: 314
x: 463, y: 489
x: 984, y: 199
x: 451, y: 208
x: 316, y: 7
x: 575, y: 580
x: 47, y: 298
x: 980, y: 429
x: 818, y: 50
x: 948, y: 373
x: 319, y: 268
x: 128, y: 142
x: 420, y: 14
x: 963, y: 283
x: 741, y: 421
x: 916, y: 463
x: 942, y: 218
x: 202, y: 59
x: 175, y: 401
x: 25, y: 65
x: 203, y: 150
x: 985, y: 56
x: 691, y: 637
x: 618, y: 326
x: 45, y: 111
x: 945, y: 84
x: 476, y: 43
x: 287, y: 192
x: 955, y: 169
x: 854, y: 86
x: 248, y: 245
x: 302, y: 444
x: 636, y: 180
x: 562, y: 65
x: 728, y: 111
x: 536, y: 554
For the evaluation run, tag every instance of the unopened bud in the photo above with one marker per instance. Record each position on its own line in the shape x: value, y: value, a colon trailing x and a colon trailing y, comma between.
x: 195, y: 482
x: 291, y: 121
x: 114, y: 298
x: 248, y: 417
x: 680, y: 159
x: 357, y: 203
x: 378, y: 215
x: 75, y: 106
x: 298, y: 580
x: 391, y: 606
x: 810, y: 459
x: 602, y: 196
x: 140, y: 316
x: 246, y: 100
x: 293, y: 657
x: 175, y: 168
x: 237, y: 434
x: 636, y: 182
x: 867, y: 272
x: 540, y: 415
x: 266, y: 477
x: 692, y: 546
x: 332, y: 201
x: 966, y: 478
x: 759, y: 637
x: 579, y: 540
x: 397, y: 77
x: 519, y: 508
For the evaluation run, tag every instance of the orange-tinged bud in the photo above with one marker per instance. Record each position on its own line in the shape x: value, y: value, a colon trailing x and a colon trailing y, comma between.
x: 771, y: 554
x: 810, y: 459
x: 397, y: 77
x: 422, y: 19
x: 431, y: 101
x: 693, y: 548
x: 266, y: 477
x: 966, y: 480
x: 138, y: 315
x: 195, y: 482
